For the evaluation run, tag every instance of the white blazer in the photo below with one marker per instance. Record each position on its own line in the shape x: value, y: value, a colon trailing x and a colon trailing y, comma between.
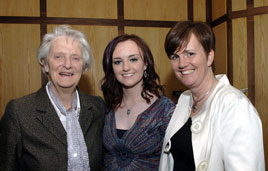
x: 226, y: 134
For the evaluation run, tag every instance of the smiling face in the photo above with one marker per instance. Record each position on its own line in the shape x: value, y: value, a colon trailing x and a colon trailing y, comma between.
x: 128, y: 65
x: 191, y: 64
x: 64, y: 63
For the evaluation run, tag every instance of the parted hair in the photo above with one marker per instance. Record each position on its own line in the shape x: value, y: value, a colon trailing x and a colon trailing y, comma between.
x: 64, y: 30
x: 179, y: 36
x: 112, y: 89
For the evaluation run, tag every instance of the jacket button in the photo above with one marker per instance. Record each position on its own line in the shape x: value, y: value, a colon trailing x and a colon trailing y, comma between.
x: 203, y: 166
x: 196, y: 127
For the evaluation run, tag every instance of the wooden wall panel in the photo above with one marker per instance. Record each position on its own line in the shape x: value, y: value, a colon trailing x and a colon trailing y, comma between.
x: 261, y: 76
x: 20, y: 71
x: 171, y: 10
x: 199, y: 10
x: 218, y: 8
x: 240, y: 70
x: 260, y: 3
x: 220, y: 59
x: 155, y: 38
x: 238, y: 5
x: 82, y: 8
x: 19, y: 8
x: 98, y: 38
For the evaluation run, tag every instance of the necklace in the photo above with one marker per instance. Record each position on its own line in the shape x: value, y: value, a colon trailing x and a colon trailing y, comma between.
x: 129, y: 109
x: 195, y: 102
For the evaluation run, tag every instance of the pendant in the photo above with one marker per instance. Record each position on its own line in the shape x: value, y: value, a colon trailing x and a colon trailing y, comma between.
x: 128, y: 111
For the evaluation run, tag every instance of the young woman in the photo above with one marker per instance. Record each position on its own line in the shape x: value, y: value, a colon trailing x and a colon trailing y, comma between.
x: 135, y: 126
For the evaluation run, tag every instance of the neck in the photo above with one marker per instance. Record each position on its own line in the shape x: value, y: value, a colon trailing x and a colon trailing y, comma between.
x: 65, y: 96
x: 200, y: 91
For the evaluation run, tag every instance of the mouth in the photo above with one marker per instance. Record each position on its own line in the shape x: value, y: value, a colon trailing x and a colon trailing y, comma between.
x: 187, y: 72
x: 66, y: 74
x: 127, y: 75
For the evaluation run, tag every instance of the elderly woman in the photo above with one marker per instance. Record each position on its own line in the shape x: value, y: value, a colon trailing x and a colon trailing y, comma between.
x: 58, y: 127
x: 214, y: 126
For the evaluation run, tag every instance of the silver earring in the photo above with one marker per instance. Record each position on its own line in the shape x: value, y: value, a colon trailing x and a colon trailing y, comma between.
x: 145, y: 74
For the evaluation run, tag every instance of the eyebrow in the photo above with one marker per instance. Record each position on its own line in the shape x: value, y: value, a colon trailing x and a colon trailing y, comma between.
x: 129, y: 56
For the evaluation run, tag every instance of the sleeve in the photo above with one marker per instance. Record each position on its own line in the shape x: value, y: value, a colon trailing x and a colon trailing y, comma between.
x: 168, y: 110
x: 241, y: 136
x: 10, y: 140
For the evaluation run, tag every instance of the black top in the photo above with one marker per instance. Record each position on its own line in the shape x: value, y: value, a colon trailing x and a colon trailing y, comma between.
x: 181, y: 148
x: 120, y: 132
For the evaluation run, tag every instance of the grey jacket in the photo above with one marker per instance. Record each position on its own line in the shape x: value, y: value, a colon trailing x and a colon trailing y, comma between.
x: 33, y: 138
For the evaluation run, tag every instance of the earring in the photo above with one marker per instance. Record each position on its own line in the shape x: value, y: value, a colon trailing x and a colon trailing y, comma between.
x: 145, y: 74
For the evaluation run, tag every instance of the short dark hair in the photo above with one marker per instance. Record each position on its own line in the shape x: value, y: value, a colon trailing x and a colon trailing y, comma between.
x: 112, y: 89
x: 179, y: 36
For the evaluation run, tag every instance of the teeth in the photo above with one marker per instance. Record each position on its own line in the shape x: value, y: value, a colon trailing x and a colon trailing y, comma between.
x: 127, y: 75
x: 67, y: 74
x: 187, y: 72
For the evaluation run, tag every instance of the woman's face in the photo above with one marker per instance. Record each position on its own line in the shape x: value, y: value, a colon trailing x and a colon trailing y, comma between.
x: 128, y: 65
x: 191, y: 64
x: 64, y: 63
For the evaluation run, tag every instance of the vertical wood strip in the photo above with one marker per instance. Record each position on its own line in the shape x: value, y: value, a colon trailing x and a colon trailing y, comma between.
x: 208, y: 12
x: 43, y: 31
x: 120, y: 12
x: 229, y: 42
x: 251, y: 53
x: 190, y: 10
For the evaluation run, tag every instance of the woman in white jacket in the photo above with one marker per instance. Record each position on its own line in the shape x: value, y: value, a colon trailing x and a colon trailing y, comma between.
x: 214, y: 126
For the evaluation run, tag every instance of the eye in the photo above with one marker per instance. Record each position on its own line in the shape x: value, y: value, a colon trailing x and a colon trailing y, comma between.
x: 58, y: 56
x: 116, y: 62
x: 134, y: 59
x: 174, y: 56
x: 190, y: 54
x: 76, y: 58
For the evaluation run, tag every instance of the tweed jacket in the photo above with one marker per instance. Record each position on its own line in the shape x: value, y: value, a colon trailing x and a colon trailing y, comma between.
x: 32, y: 136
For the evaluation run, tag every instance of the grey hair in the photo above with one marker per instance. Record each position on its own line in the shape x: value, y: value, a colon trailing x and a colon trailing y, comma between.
x: 64, y: 30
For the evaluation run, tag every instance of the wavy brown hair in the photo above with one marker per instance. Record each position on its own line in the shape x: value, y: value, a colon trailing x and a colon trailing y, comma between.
x: 112, y: 89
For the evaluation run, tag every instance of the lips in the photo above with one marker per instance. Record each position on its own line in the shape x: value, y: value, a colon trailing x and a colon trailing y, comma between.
x: 127, y: 75
x: 66, y: 74
x: 187, y: 72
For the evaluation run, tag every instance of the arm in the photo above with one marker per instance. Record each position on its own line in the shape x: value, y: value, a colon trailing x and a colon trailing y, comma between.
x: 10, y: 140
x: 241, y: 136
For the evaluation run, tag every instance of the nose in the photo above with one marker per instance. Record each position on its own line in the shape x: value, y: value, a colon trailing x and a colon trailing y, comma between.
x: 125, y: 66
x: 67, y: 62
x: 182, y: 62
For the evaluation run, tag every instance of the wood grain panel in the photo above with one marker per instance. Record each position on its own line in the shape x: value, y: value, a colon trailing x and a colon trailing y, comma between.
x: 220, y: 58
x: 19, y: 8
x: 261, y: 76
x: 238, y: 5
x: 155, y: 38
x: 218, y: 8
x: 82, y: 8
x: 199, y: 10
x: 20, y: 72
x: 98, y: 38
x: 170, y: 10
x: 240, y: 70
x: 260, y: 3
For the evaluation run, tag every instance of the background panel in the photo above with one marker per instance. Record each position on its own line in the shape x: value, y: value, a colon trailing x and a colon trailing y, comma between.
x: 98, y: 38
x: 220, y: 58
x: 239, y: 5
x: 261, y: 70
x: 260, y: 3
x: 20, y: 72
x: 169, y: 10
x: 82, y: 8
x: 240, y: 62
x: 199, y: 10
x: 218, y: 8
x: 155, y: 38
x: 19, y: 8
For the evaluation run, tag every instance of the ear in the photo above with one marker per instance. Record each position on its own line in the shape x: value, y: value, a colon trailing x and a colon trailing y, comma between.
x: 45, y: 64
x: 210, y: 58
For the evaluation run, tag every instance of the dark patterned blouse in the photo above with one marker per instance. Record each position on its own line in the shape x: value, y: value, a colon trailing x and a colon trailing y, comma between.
x: 140, y: 147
